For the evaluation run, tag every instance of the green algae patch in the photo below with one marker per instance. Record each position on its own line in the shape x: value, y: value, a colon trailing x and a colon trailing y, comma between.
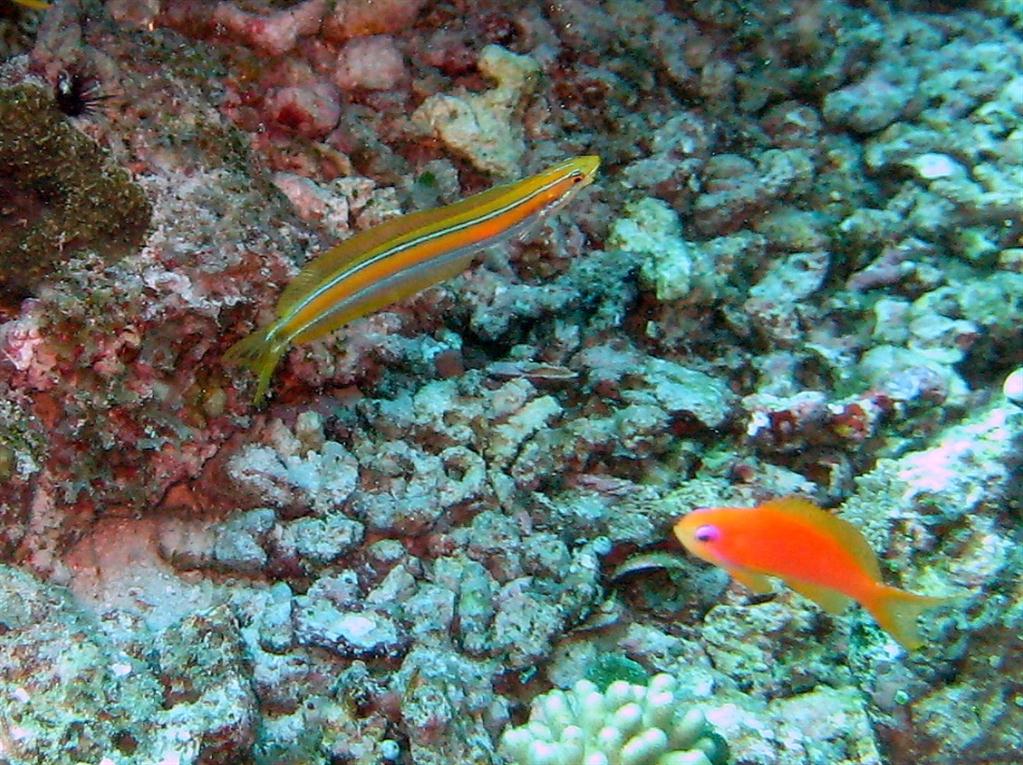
x: 59, y: 194
x: 612, y: 667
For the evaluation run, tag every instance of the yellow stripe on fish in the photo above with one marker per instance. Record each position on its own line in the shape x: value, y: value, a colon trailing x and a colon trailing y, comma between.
x: 400, y: 257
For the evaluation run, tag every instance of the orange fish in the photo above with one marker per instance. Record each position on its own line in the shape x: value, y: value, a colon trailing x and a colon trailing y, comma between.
x: 815, y: 553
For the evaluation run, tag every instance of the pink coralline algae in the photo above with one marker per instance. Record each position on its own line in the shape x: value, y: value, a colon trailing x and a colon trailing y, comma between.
x: 311, y: 111
x: 274, y: 33
x: 360, y: 18
x: 372, y: 63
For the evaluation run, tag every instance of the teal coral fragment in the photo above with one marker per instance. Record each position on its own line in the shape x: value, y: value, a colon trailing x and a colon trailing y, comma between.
x: 611, y: 667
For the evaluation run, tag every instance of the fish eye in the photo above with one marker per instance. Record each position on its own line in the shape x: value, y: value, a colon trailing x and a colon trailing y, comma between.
x: 707, y: 534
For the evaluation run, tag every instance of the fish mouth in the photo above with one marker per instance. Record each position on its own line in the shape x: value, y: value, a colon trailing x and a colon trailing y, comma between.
x: 588, y: 165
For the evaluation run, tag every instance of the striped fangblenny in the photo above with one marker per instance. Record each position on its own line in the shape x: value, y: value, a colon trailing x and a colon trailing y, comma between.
x: 400, y: 257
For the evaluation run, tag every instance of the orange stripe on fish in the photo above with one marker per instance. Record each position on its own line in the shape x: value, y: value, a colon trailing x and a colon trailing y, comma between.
x: 815, y: 553
x: 400, y: 257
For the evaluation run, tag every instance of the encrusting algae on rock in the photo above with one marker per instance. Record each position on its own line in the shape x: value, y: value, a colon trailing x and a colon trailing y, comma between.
x: 62, y: 195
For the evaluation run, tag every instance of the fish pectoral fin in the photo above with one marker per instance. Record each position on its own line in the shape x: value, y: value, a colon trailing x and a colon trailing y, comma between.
x: 830, y: 600
x: 750, y: 579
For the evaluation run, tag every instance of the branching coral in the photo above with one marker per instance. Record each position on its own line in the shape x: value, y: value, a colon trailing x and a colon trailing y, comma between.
x: 625, y: 725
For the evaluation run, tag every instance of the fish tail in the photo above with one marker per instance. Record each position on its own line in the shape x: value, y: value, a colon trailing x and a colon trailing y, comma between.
x: 897, y: 611
x: 260, y: 352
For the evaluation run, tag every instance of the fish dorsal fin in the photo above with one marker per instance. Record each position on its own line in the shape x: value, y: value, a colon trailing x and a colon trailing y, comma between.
x: 850, y: 537
x: 830, y: 600
x: 750, y: 579
x: 365, y: 244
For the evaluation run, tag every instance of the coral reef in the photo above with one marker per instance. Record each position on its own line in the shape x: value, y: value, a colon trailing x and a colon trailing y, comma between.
x: 800, y: 270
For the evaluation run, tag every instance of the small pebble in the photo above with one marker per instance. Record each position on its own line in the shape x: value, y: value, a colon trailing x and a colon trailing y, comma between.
x: 1013, y: 387
x: 931, y: 166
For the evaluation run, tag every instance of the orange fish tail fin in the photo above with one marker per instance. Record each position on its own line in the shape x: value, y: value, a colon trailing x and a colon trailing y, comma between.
x: 897, y: 611
x: 260, y: 353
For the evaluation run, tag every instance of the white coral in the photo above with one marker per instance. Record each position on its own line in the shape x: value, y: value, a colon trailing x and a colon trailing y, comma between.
x: 625, y: 725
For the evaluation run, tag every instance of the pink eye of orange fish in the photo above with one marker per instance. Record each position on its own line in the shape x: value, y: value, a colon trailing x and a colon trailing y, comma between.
x: 708, y: 534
